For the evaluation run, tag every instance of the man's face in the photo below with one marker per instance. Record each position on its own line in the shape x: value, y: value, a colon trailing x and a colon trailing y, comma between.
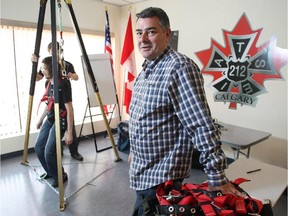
x: 151, y: 38
x: 50, y: 51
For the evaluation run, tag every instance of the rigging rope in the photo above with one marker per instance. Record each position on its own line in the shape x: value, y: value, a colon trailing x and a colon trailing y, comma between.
x: 61, y: 44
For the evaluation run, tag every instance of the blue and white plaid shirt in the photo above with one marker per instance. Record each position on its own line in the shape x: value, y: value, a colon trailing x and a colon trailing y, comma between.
x: 169, y: 115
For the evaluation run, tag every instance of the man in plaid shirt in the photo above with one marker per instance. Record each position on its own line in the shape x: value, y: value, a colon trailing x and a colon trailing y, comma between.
x: 169, y: 116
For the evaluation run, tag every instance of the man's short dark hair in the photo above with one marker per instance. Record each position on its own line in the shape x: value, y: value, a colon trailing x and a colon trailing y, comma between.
x: 155, y: 12
x: 50, y: 46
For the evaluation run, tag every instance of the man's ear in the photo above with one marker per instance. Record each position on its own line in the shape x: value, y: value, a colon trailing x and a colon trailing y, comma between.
x: 168, y: 34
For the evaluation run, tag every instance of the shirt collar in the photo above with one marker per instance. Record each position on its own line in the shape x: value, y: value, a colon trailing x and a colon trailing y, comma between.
x: 154, y: 62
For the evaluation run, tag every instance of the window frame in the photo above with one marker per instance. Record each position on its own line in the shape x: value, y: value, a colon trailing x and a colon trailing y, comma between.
x: 19, y: 64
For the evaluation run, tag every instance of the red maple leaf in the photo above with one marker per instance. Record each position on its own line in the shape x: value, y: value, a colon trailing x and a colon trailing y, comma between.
x: 240, y: 68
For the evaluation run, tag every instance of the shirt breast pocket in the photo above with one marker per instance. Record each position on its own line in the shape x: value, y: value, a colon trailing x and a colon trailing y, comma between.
x: 156, y: 97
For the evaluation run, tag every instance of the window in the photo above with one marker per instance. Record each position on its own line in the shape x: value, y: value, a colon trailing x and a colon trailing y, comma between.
x: 16, y: 47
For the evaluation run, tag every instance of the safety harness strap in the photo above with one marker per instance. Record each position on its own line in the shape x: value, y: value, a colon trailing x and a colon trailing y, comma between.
x: 185, y: 210
x: 45, y: 96
x: 50, y: 99
x: 180, y: 199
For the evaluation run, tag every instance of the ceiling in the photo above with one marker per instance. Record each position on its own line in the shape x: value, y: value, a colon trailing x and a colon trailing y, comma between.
x: 121, y: 2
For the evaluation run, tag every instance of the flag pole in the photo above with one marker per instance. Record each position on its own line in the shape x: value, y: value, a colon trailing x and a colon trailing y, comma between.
x: 109, y: 50
x: 125, y: 74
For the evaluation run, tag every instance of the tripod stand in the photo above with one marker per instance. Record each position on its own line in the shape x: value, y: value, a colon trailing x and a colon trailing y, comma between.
x: 41, y: 16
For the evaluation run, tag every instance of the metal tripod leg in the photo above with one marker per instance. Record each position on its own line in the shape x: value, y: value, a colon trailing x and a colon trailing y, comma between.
x: 41, y: 17
x: 92, y: 77
x: 62, y: 203
x: 32, y: 90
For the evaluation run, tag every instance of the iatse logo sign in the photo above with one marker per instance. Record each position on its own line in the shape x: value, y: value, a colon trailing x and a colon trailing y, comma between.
x: 240, y: 68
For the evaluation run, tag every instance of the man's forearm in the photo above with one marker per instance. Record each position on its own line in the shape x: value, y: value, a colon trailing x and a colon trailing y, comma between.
x: 70, y: 117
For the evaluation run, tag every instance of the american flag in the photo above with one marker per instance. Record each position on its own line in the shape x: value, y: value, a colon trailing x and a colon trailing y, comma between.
x: 108, y: 47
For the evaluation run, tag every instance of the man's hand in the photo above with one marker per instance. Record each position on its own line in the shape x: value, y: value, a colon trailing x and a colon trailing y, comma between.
x: 34, y: 58
x: 68, y: 137
x: 72, y: 76
x: 130, y: 158
x: 228, y: 189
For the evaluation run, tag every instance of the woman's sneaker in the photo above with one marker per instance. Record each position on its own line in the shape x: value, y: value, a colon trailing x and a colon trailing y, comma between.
x: 44, y: 176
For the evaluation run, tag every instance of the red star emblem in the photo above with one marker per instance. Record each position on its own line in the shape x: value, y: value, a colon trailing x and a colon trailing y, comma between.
x: 240, y: 68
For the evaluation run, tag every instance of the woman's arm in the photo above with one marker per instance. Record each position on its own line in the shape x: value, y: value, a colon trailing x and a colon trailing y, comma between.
x: 40, y: 121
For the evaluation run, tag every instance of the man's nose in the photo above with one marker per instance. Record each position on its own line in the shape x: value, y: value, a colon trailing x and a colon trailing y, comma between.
x: 143, y: 37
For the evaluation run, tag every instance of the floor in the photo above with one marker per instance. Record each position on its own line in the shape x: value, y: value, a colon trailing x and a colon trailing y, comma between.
x: 97, y: 186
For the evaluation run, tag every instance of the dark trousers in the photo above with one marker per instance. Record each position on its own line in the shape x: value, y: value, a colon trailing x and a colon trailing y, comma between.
x: 73, y: 148
x: 146, y: 201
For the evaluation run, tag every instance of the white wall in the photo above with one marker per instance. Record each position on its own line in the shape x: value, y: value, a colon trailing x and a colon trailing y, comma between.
x: 198, y: 22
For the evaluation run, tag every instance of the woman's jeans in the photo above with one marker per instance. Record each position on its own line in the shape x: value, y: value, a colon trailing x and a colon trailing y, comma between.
x: 45, y: 148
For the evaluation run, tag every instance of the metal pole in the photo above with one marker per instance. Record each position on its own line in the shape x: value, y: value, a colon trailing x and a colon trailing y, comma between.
x: 92, y: 77
x: 62, y: 203
x: 41, y: 17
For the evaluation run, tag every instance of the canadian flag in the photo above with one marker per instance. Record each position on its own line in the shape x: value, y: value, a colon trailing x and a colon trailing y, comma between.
x: 128, y: 61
